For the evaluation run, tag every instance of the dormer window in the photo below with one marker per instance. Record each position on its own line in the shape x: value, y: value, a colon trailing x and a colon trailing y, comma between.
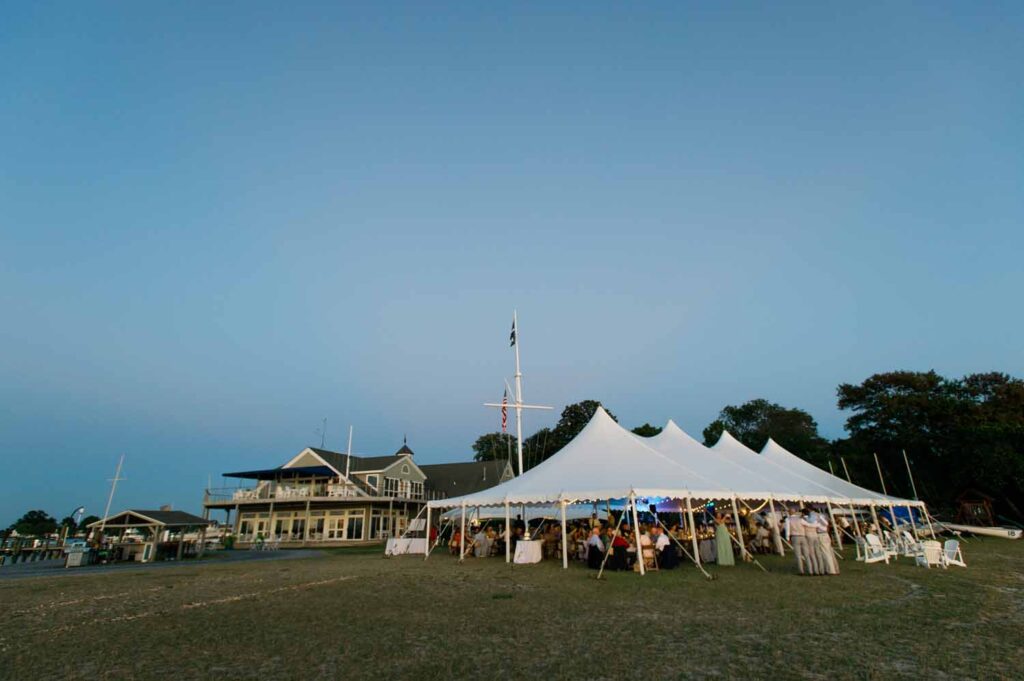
x: 373, y: 480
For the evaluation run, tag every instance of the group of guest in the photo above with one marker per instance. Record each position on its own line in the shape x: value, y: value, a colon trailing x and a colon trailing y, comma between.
x: 619, y: 548
x: 615, y: 545
x: 807, y: 531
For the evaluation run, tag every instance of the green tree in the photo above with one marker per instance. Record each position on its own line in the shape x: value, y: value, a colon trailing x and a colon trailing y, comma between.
x: 493, y: 446
x: 574, y: 418
x: 646, y: 430
x: 545, y: 442
x: 86, y: 521
x: 956, y: 433
x: 755, y: 421
x: 35, y: 524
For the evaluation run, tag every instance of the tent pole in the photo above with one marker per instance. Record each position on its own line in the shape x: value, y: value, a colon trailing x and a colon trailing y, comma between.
x: 462, y: 535
x: 913, y: 525
x: 565, y: 540
x: 426, y: 543
x: 696, y: 561
x: 895, y: 525
x: 609, y: 549
x: 636, y: 535
x: 835, y: 526
x: 874, y: 516
x: 508, y: 534
x: 928, y: 517
x: 739, y: 530
x: 912, y: 485
x: 856, y: 529
x: 776, y: 534
x: 693, y: 533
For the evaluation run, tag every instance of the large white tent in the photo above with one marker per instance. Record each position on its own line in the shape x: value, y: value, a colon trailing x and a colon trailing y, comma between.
x: 607, y: 462
x: 812, y: 488
x: 604, y: 461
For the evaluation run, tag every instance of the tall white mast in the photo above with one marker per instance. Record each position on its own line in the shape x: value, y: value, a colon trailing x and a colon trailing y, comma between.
x: 519, y: 406
x: 519, y: 391
x: 110, y: 498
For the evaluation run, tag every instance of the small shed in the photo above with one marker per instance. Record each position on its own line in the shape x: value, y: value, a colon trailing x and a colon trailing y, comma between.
x: 145, y: 536
x: 975, y: 508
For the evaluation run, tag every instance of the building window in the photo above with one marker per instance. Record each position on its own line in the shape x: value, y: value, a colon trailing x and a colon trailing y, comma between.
x: 416, y: 490
x: 390, y: 487
x: 373, y: 480
x: 405, y: 469
x: 354, y: 529
x: 376, y: 522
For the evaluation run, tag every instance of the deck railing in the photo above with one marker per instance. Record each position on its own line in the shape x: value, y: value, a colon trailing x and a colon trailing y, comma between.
x: 292, y: 492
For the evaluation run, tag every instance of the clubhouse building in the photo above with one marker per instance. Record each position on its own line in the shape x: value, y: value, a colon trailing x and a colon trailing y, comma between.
x: 320, y: 497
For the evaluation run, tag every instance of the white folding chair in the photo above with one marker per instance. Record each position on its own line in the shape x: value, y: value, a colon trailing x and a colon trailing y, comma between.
x: 910, y: 547
x: 951, y: 553
x: 874, y: 552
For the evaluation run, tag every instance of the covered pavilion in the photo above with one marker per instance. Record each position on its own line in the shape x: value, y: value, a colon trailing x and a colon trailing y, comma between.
x: 145, y: 536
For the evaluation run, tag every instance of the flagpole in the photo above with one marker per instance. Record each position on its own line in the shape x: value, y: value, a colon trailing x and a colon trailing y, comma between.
x: 519, y: 392
x: 514, y: 338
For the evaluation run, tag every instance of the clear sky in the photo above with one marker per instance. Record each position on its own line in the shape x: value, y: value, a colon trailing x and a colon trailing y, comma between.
x: 223, y: 222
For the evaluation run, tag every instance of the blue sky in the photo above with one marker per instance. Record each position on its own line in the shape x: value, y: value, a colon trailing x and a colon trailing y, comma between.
x: 220, y: 224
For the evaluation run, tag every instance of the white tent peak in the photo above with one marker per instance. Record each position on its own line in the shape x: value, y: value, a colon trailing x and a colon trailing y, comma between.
x: 726, y: 439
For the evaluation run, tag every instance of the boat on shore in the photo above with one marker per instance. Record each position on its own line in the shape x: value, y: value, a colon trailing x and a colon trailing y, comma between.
x: 1001, y: 532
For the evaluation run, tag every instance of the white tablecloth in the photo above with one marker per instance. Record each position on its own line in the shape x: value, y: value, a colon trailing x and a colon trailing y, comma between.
x: 529, y: 551
x: 398, y: 547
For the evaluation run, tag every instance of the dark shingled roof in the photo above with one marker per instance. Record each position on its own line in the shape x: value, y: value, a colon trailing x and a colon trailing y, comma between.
x: 359, y: 464
x: 456, y: 479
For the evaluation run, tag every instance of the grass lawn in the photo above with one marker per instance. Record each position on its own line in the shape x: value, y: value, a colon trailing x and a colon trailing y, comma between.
x: 354, y: 614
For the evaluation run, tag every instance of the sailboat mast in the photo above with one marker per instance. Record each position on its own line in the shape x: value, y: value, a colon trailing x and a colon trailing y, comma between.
x: 110, y: 498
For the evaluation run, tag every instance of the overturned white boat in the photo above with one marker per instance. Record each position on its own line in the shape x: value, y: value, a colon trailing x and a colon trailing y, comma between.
x: 1001, y: 532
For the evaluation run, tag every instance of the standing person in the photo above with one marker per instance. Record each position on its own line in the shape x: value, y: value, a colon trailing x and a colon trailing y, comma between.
x: 595, y: 549
x: 794, y: 531
x: 809, y: 520
x: 827, y: 559
x: 723, y: 542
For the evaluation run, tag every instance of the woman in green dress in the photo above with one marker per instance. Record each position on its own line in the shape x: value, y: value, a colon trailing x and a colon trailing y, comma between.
x: 723, y: 541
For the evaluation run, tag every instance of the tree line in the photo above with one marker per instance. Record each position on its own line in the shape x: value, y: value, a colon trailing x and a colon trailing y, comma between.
x: 39, y: 523
x: 957, y: 433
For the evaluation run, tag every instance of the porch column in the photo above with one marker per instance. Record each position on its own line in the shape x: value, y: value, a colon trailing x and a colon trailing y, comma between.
x: 305, y: 526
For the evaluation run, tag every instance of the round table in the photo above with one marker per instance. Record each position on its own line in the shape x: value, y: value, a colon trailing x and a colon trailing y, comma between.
x: 528, y: 551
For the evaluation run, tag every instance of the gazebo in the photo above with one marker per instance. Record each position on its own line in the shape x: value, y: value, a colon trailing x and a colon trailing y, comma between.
x: 144, y: 536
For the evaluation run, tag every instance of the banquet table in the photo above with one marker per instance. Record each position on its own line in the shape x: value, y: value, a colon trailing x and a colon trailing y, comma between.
x: 399, y: 546
x: 528, y: 551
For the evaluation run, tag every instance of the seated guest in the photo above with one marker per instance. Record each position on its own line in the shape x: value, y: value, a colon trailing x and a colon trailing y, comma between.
x: 618, y: 560
x: 481, y: 544
x: 456, y: 540
x: 595, y: 549
x: 762, y: 538
x: 668, y: 558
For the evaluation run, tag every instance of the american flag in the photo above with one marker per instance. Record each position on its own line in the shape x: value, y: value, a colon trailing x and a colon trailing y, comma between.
x: 504, y: 411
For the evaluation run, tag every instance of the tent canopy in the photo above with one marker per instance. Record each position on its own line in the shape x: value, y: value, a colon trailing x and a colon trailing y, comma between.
x: 605, y: 461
